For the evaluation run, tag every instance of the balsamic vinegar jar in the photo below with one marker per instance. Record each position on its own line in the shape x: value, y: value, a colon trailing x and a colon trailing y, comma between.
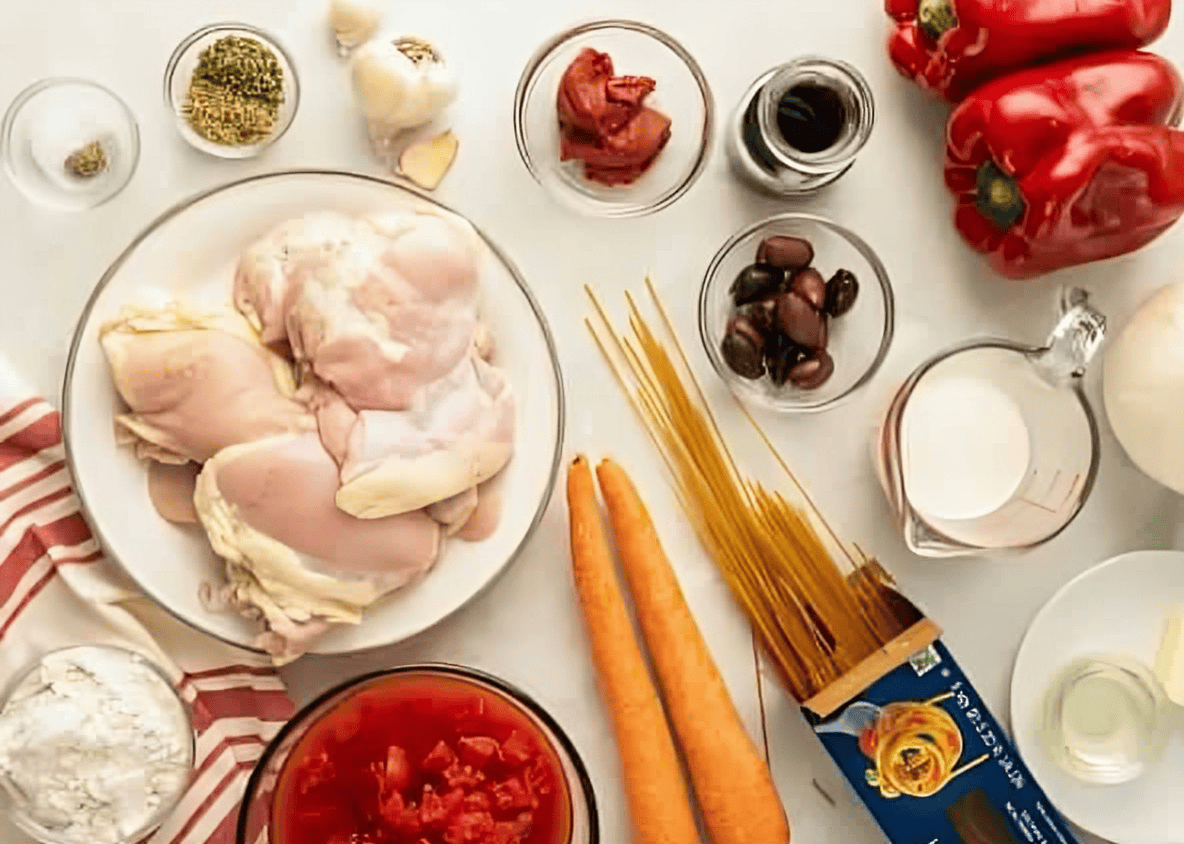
x: 800, y: 125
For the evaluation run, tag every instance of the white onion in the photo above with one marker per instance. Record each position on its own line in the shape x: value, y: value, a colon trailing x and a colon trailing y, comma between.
x: 1143, y: 383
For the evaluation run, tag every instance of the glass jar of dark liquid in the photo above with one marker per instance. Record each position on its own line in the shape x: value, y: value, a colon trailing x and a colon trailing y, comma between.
x: 800, y: 125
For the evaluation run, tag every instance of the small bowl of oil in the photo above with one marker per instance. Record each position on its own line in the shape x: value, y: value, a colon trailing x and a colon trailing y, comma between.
x: 232, y: 89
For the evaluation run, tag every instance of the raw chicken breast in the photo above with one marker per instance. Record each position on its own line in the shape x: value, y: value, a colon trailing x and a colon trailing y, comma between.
x: 378, y: 307
x: 458, y: 433
x: 196, y: 383
x: 293, y: 557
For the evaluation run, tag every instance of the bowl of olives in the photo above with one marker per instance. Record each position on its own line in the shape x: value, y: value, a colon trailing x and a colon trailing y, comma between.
x: 796, y: 312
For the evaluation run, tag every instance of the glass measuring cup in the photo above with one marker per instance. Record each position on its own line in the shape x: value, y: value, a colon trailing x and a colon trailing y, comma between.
x: 991, y: 446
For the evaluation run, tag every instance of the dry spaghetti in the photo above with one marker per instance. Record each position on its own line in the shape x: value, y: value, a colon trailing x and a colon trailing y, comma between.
x: 815, y: 622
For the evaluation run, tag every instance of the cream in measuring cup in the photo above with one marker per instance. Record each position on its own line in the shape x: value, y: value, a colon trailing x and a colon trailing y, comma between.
x: 991, y: 445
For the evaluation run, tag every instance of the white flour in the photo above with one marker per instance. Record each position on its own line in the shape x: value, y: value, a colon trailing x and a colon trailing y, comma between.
x: 92, y: 743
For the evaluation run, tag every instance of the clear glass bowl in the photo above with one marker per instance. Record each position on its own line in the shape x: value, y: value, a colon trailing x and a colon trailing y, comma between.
x: 15, y: 804
x: 54, y: 118
x: 1106, y: 719
x: 179, y: 72
x: 858, y: 341
x: 258, y: 805
x: 682, y: 94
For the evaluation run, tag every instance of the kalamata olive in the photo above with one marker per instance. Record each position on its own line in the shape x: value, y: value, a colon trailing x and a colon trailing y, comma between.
x: 790, y: 253
x: 813, y: 372
x: 781, y: 356
x: 741, y: 355
x: 759, y: 314
x: 841, y: 292
x: 740, y: 325
x: 810, y: 285
x: 755, y: 282
x: 804, y: 325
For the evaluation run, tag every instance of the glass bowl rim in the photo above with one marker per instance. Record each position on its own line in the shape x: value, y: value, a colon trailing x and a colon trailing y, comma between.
x: 515, y: 694
x: 856, y: 242
x: 186, y: 43
x: 44, y: 84
x: 183, y: 205
x: 166, y: 808
x: 528, y: 79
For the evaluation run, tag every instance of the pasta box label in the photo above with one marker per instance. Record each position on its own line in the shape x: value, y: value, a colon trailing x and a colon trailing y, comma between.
x: 932, y: 764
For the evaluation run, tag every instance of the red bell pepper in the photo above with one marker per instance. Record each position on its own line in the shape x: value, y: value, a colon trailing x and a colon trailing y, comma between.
x: 950, y: 47
x: 1069, y: 162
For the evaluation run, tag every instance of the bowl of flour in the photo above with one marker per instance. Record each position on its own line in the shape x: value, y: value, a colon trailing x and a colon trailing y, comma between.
x: 96, y: 747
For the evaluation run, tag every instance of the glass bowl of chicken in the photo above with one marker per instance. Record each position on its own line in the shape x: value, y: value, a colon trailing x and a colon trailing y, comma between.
x: 312, y: 411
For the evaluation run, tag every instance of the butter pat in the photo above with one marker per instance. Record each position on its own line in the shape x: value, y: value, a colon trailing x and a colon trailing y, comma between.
x: 1169, y: 663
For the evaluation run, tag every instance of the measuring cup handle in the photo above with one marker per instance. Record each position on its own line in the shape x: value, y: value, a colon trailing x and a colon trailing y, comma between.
x: 1074, y: 340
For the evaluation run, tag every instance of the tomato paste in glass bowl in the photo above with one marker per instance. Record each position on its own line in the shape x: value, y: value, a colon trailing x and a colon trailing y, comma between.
x: 424, y: 754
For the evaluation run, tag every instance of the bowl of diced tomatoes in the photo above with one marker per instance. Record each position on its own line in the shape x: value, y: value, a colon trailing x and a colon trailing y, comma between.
x: 420, y: 754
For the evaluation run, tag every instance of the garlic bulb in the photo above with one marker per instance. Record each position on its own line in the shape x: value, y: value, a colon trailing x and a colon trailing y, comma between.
x: 401, y: 84
x: 354, y: 21
x: 1143, y: 383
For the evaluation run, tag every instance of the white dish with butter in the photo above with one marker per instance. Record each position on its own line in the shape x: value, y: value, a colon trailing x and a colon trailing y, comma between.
x: 1121, y: 606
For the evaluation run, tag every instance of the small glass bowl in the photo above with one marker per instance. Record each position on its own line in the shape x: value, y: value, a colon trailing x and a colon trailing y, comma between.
x: 682, y: 94
x: 179, y: 72
x: 1105, y: 719
x: 858, y: 341
x: 11, y: 797
x: 54, y: 118
x: 255, y: 818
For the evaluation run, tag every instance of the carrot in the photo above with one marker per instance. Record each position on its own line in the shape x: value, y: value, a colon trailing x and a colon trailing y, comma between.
x: 735, y: 790
x: 659, y: 803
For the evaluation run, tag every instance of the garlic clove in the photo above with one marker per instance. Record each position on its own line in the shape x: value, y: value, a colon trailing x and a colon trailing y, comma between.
x: 354, y: 21
x: 426, y: 163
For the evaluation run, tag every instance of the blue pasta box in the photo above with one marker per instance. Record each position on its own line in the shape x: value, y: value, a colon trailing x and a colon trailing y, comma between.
x: 924, y: 753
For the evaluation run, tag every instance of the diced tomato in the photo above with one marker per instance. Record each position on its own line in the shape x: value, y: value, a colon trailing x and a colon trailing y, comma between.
x: 478, y: 750
x: 454, y: 802
x: 478, y: 802
x: 512, y: 832
x: 468, y: 828
x: 392, y: 808
x: 438, y: 761
x: 408, y: 824
x: 512, y: 794
x: 537, y: 778
x: 432, y: 811
x: 316, y: 771
x: 462, y: 776
x: 398, y: 773
x: 516, y: 750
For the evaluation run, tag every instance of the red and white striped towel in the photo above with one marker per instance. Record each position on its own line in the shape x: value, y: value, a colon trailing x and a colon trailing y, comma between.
x: 57, y: 589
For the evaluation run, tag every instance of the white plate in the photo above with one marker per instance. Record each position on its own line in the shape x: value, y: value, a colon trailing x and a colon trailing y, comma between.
x: 1120, y: 606
x: 189, y: 252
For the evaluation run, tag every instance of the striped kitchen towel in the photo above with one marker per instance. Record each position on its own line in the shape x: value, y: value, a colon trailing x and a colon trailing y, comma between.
x: 57, y: 589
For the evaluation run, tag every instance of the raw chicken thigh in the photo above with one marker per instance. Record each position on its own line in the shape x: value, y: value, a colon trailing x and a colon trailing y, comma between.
x: 348, y: 419
x: 196, y: 383
x: 458, y: 433
x: 267, y: 507
x: 377, y: 307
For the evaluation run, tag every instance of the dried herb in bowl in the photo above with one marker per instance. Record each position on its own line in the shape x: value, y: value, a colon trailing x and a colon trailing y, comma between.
x: 235, y: 93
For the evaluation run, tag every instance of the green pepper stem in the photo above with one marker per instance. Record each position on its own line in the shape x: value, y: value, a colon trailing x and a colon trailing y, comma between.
x: 935, y: 17
x: 998, y: 196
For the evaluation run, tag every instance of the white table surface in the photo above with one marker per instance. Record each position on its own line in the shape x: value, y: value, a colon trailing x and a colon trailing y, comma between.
x: 526, y: 628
